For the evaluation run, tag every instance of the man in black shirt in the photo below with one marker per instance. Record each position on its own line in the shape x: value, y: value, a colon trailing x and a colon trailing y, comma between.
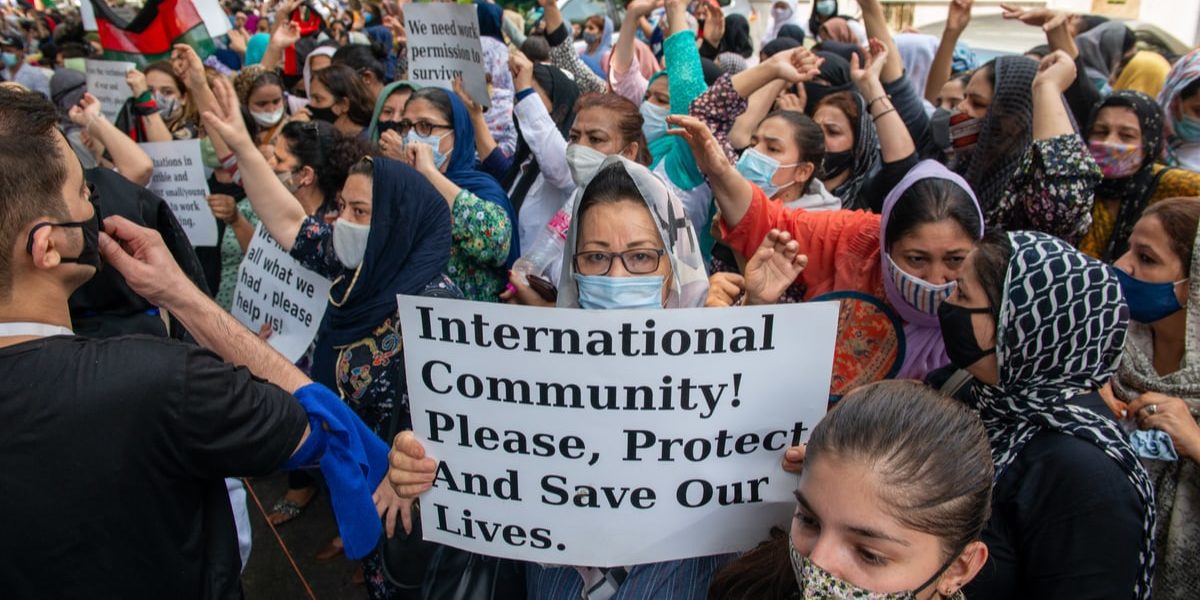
x: 112, y: 452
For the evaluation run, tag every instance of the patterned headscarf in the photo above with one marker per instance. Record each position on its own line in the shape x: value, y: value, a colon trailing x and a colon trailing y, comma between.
x: 1007, y: 132
x: 964, y: 59
x: 1134, y: 191
x: 1185, y: 71
x: 689, y: 279
x: 1060, y: 334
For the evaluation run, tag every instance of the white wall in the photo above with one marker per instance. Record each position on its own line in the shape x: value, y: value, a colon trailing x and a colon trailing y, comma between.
x: 1179, y: 18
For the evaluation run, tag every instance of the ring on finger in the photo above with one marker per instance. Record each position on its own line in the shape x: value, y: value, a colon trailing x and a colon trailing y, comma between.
x: 1152, y: 409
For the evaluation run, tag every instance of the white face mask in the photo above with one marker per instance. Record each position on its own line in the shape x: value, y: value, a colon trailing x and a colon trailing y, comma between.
x: 268, y: 119
x: 350, y: 242
x: 584, y: 163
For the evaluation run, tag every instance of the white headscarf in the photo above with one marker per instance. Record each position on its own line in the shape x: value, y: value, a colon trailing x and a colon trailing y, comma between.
x: 689, y: 280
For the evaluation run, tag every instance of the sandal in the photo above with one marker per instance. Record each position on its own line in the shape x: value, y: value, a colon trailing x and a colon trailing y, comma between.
x: 288, y: 509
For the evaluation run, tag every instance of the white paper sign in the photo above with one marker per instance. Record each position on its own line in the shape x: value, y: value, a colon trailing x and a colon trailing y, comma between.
x: 443, y: 43
x: 606, y: 438
x: 179, y: 179
x: 272, y: 287
x: 106, y: 81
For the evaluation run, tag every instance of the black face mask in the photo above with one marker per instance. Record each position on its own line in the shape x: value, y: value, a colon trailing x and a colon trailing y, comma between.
x: 90, y: 254
x: 322, y: 114
x: 958, y: 333
x: 388, y: 126
x: 836, y: 162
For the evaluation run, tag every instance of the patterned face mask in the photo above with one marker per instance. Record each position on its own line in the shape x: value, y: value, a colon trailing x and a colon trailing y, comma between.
x: 818, y: 584
x: 1117, y: 160
x: 922, y: 295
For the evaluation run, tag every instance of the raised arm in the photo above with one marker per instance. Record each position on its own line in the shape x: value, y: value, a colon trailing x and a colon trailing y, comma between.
x: 484, y: 142
x: 190, y: 69
x: 1055, y: 75
x: 156, y: 130
x: 129, y: 159
x: 622, y: 54
x: 278, y: 210
x: 876, y: 24
x: 284, y: 33
x: 730, y: 190
x: 894, y: 141
x: 957, y: 19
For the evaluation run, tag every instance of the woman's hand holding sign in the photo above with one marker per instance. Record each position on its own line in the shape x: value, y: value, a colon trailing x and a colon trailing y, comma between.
x: 410, y: 472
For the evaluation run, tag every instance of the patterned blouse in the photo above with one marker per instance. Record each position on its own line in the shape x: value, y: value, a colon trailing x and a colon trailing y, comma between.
x: 482, y: 232
x: 370, y: 372
x: 1052, y: 190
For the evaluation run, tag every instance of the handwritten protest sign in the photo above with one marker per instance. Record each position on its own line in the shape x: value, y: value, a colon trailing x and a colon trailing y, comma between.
x: 179, y: 179
x: 106, y: 81
x: 274, y: 288
x: 605, y: 438
x: 443, y: 43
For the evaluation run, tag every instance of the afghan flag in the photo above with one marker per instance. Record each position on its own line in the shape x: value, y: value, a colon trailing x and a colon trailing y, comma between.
x: 150, y: 35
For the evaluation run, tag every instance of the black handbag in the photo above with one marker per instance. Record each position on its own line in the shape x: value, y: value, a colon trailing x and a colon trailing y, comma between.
x: 455, y: 574
x: 406, y: 556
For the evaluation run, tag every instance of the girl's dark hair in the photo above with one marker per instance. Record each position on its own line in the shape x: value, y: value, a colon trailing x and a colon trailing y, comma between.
x: 625, y: 115
x: 343, y: 82
x: 361, y: 58
x: 991, y: 267
x: 930, y: 451
x: 809, y: 137
x: 330, y: 153
x: 1180, y: 218
x: 439, y: 98
x: 963, y: 78
x: 612, y: 184
x: 932, y: 200
x: 932, y: 455
x: 597, y: 20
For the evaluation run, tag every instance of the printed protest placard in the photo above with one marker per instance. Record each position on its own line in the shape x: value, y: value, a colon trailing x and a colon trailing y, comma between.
x: 106, y: 81
x: 443, y: 43
x: 272, y: 287
x: 179, y: 179
x: 606, y: 438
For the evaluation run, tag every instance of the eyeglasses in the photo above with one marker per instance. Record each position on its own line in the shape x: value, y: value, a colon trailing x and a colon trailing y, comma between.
x: 422, y: 127
x: 641, y: 261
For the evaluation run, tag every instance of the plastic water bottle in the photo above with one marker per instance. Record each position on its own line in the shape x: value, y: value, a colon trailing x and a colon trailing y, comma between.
x: 547, y: 249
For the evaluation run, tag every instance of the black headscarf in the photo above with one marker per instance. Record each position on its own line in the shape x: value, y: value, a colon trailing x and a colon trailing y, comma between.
x: 842, y: 49
x: 866, y: 160
x: 778, y: 45
x: 835, y: 71
x: 737, y: 36
x: 791, y: 31
x: 1007, y: 132
x: 563, y: 93
x: 1134, y: 191
x: 712, y: 71
x: 408, y: 247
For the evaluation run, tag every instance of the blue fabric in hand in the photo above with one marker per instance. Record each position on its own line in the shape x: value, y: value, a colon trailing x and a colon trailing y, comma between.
x: 353, y: 460
x: 1153, y: 444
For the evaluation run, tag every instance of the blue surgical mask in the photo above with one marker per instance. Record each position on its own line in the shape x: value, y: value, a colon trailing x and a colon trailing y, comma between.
x: 1188, y: 129
x: 1148, y: 302
x: 825, y: 8
x: 10, y: 59
x: 654, y: 120
x: 601, y: 292
x: 760, y: 170
x: 434, y: 141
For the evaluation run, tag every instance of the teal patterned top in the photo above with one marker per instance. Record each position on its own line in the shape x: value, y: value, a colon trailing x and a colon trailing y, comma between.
x: 481, y: 234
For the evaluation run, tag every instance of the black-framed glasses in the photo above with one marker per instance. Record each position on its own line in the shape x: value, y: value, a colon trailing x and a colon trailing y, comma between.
x: 422, y: 127
x: 640, y: 261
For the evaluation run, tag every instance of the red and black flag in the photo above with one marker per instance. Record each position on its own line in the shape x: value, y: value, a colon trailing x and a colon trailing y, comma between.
x: 153, y: 31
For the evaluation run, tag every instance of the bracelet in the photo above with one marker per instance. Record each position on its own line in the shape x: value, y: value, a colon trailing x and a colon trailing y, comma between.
x: 877, y: 99
x: 890, y: 110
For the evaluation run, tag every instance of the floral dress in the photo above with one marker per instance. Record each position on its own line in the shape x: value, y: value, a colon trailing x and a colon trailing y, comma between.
x: 477, y: 259
x: 1052, y: 190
